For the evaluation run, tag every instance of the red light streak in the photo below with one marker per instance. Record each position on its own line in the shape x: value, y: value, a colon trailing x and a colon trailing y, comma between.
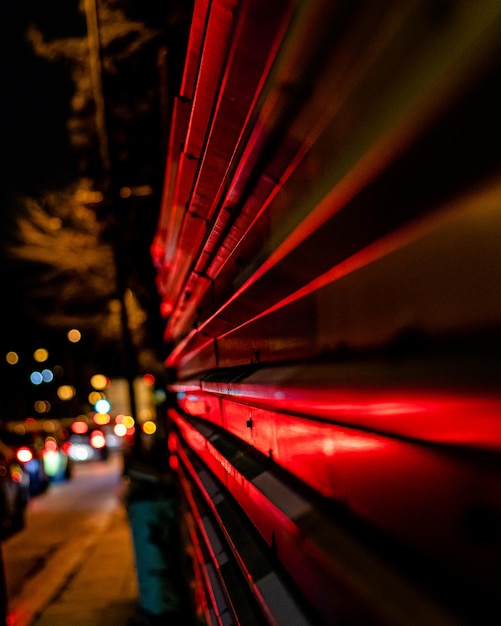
x: 456, y: 419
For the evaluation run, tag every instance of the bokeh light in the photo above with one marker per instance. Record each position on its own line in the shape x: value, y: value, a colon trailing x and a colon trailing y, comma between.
x: 128, y: 421
x: 145, y: 414
x: 149, y: 427
x: 102, y: 406
x: 120, y: 430
x: 79, y: 427
x: 24, y: 455
x: 101, y: 418
x: 58, y: 370
x: 94, y: 396
x: 40, y: 355
x: 42, y: 406
x: 100, y: 382
x: 66, y: 392
x: 149, y: 380
x: 12, y: 357
x: 97, y: 439
x: 159, y: 396
x: 47, y: 375
x: 36, y: 378
x: 74, y: 335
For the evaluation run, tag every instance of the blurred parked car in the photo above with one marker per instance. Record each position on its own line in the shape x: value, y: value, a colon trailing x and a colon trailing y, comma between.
x: 45, y: 455
x: 56, y: 457
x: 28, y: 449
x: 14, y: 492
x: 89, y: 446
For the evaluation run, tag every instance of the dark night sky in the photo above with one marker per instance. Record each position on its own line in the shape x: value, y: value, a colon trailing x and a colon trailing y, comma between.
x: 36, y: 152
x: 36, y: 100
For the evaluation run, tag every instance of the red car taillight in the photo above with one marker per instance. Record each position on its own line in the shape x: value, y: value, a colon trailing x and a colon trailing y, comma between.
x: 66, y: 447
x: 97, y: 440
x: 24, y: 455
x: 50, y: 445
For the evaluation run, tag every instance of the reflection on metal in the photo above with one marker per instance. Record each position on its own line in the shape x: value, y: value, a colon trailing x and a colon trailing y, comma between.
x: 328, y: 261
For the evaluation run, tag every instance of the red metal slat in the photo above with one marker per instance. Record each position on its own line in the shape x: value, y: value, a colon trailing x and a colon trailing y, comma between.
x: 217, y: 31
x: 168, y: 214
x: 201, y: 356
x: 285, y: 260
x: 194, y: 48
x: 276, y: 607
x: 334, y: 459
x: 205, y: 581
x: 323, y: 561
x: 166, y: 235
x: 407, y: 280
x: 246, y: 69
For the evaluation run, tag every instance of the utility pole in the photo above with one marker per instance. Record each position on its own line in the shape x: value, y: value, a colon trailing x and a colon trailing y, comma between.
x: 111, y: 196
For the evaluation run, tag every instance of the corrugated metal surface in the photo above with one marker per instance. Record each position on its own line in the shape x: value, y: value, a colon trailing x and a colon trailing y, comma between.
x: 328, y: 258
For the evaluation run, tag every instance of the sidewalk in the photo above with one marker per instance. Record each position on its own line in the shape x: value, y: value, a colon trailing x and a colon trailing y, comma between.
x: 94, y: 578
x: 100, y: 588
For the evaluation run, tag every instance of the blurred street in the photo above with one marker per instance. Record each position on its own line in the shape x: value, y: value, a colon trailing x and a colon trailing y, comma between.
x: 73, y: 563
